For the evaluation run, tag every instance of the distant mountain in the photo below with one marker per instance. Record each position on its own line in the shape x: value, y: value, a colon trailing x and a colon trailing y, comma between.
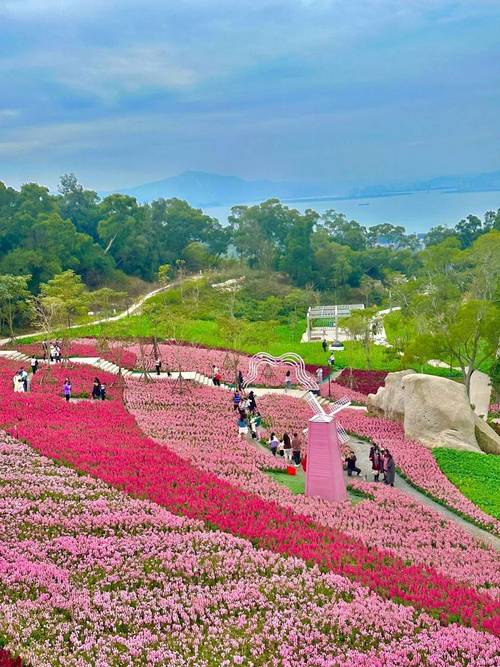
x: 485, y: 182
x: 205, y: 189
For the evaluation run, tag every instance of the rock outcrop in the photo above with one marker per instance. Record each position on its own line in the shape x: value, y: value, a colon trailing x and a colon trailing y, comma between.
x: 488, y: 440
x: 389, y: 400
x: 435, y: 411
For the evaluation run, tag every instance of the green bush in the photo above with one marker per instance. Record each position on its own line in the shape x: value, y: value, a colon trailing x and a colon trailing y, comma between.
x: 476, y: 475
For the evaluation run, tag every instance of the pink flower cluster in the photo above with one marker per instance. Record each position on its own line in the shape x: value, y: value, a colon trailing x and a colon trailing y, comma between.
x: 200, y: 426
x: 364, y: 381
x: 495, y: 407
x: 335, y: 391
x: 109, y: 445
x: 91, y: 576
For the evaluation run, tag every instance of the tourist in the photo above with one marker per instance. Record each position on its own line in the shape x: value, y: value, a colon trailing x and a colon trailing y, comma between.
x: 34, y: 365
x: 273, y: 443
x: 236, y: 400
x: 57, y: 353
x: 288, y: 381
x: 241, y: 381
x: 287, y: 447
x: 242, y: 426
x: 324, y: 344
x: 252, y: 404
x: 24, y: 378
x: 103, y: 391
x: 331, y: 360
x: 319, y: 375
x: 96, y: 389
x: 215, y: 371
x: 217, y: 379
x: 390, y: 469
x: 52, y: 352
x: 67, y: 389
x: 296, y: 449
x: 158, y: 366
x: 377, y: 460
x: 18, y: 382
x: 351, y: 464
x: 45, y: 350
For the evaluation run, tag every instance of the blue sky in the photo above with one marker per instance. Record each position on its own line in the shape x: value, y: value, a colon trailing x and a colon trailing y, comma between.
x: 347, y: 93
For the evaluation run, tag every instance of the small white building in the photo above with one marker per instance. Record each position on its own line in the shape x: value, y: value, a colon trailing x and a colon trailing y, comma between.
x: 323, y: 321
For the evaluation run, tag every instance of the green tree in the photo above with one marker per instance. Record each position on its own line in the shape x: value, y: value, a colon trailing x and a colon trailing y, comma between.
x: 66, y: 294
x: 15, y: 301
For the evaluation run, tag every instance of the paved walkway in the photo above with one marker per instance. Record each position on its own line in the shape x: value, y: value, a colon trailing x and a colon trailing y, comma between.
x: 362, y: 450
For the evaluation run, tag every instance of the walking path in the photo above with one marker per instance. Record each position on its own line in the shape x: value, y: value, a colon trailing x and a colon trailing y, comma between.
x: 360, y: 447
x: 362, y: 450
x: 129, y: 311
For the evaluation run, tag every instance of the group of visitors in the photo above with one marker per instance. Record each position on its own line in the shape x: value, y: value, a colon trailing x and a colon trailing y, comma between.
x: 289, y: 448
x: 98, y: 390
x: 382, y: 464
x: 52, y: 351
x: 249, y: 418
x: 20, y: 380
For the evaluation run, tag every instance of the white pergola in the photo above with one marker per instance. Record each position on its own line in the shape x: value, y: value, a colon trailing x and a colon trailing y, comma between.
x: 324, y: 320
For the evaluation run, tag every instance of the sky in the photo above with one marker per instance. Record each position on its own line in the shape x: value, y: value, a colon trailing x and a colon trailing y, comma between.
x: 345, y: 93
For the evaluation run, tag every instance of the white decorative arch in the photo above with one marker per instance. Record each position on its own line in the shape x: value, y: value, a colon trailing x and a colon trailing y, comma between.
x: 288, y: 359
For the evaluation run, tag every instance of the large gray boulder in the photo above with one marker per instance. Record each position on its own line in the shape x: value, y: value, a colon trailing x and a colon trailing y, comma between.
x: 488, y: 440
x: 389, y: 400
x: 437, y: 412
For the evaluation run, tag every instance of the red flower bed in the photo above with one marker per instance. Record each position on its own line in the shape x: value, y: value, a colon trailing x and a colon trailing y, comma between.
x: 366, y: 382
x: 6, y: 660
x: 103, y: 439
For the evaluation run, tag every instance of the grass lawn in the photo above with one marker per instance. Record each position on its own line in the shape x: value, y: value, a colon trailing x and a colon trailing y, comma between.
x: 476, y: 475
x: 296, y: 483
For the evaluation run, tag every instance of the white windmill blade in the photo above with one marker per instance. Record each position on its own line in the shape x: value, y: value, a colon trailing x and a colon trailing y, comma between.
x: 342, y: 433
x: 340, y: 404
x: 314, y: 404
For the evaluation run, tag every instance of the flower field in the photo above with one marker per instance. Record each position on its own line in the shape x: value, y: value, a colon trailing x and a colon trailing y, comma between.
x: 110, y: 446
x: 364, y: 381
x: 100, y: 578
x: 200, y: 426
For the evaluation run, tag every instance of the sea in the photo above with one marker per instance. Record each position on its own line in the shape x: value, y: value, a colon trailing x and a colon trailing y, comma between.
x: 416, y: 211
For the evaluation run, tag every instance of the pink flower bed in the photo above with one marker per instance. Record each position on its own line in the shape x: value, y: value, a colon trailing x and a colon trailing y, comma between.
x: 102, y: 579
x: 86, y: 347
x: 200, y: 427
x: 109, y: 445
x: 336, y: 391
x: 416, y: 463
x: 366, y: 382
x: 495, y: 407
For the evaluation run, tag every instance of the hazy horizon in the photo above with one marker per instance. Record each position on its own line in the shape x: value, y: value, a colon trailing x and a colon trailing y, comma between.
x: 320, y: 91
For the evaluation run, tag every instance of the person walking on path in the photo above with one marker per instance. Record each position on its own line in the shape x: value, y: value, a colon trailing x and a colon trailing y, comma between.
x: 96, y: 389
x: 390, y: 469
x: 158, y: 366
x: 319, y: 375
x: 296, y: 449
x: 273, y: 443
x: 103, y: 392
x: 24, y: 378
x: 34, y: 365
x: 331, y: 360
x: 236, y: 400
x: 288, y: 381
x: 18, y: 382
x: 241, y: 380
x: 324, y: 344
x: 67, y: 389
x: 287, y: 447
x: 242, y: 426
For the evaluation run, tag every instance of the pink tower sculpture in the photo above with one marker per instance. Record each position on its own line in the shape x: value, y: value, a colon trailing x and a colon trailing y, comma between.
x: 324, y: 471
